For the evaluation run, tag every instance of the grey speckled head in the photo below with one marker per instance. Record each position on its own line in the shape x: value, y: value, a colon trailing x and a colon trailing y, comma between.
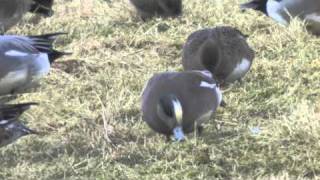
x: 173, y: 102
x: 223, y: 51
x: 10, y: 127
x: 164, y: 8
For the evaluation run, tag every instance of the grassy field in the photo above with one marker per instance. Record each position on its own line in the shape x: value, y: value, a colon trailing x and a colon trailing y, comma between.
x: 90, y: 102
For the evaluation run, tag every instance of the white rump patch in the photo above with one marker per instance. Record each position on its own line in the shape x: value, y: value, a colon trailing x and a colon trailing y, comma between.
x: 274, y: 8
x: 240, y: 70
x: 43, y: 65
x: 15, y: 53
x: 242, y: 67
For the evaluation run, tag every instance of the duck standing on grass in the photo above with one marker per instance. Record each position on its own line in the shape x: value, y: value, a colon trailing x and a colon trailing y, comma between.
x: 11, y: 11
x: 175, y: 103
x: 283, y: 11
x: 24, y: 60
x: 223, y: 51
x: 163, y: 8
x: 10, y: 127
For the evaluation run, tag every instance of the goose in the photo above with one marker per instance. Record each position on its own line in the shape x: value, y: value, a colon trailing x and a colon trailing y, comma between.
x: 283, y: 11
x: 164, y: 8
x: 11, y: 129
x: 24, y: 60
x: 173, y: 102
x: 222, y: 50
x: 11, y: 11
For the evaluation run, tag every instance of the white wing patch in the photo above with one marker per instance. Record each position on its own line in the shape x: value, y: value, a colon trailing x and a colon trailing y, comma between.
x: 215, y: 88
x: 315, y: 17
x: 2, y: 122
x: 207, y: 73
x: 274, y: 8
x: 207, y: 85
x: 15, y: 53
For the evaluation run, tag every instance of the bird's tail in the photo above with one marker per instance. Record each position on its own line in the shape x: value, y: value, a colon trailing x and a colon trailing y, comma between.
x: 44, y: 42
x: 26, y: 130
x: 10, y: 112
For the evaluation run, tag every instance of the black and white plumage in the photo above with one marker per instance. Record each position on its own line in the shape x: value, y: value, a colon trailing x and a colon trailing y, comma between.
x: 24, y: 60
x: 11, y: 11
x: 176, y: 103
x: 10, y: 127
x: 283, y: 11
x: 163, y: 8
x: 222, y: 50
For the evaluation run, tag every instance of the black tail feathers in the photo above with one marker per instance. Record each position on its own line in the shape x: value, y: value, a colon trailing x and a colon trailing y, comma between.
x: 44, y: 44
x: 53, y: 55
x: 14, y: 111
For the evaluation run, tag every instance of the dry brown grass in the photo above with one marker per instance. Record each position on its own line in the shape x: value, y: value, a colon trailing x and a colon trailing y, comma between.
x: 90, y: 102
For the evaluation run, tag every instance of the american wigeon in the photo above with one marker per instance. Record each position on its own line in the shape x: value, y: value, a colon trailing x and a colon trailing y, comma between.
x: 10, y: 127
x: 24, y: 60
x: 174, y: 103
x: 222, y: 50
x: 163, y: 8
x: 283, y: 10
